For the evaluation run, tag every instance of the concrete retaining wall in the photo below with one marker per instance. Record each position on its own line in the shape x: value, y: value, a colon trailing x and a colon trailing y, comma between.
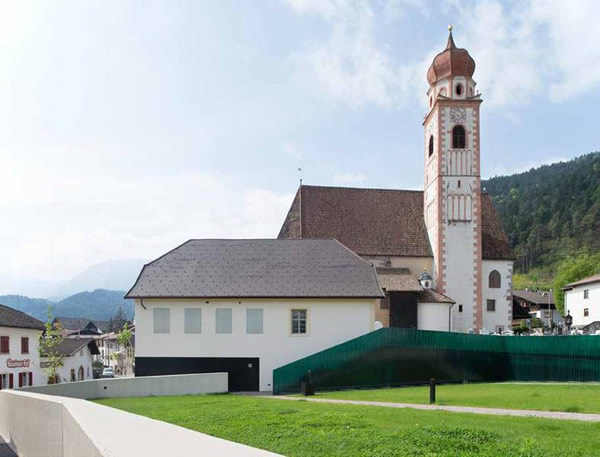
x: 37, y: 425
x: 145, y: 386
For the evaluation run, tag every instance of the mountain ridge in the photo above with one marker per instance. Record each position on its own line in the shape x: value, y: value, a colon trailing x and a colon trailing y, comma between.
x: 101, y: 304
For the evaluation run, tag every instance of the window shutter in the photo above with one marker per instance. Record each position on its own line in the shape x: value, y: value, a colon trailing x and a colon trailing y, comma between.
x: 30, y: 378
x: 20, y: 379
x: 10, y: 381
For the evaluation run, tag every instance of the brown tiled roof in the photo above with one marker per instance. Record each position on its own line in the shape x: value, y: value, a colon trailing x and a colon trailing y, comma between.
x: 495, y: 244
x: 378, y: 221
x: 433, y: 296
x: 398, y: 280
x: 258, y: 268
x: 10, y: 317
x: 588, y: 280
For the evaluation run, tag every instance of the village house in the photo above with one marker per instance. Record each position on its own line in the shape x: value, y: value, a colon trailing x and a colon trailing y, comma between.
x: 247, y: 307
x: 538, y: 304
x: 77, y: 359
x: 582, y: 302
x: 19, y: 357
x: 449, y: 230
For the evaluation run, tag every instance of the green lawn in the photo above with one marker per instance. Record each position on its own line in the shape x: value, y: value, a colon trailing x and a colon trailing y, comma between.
x: 584, y: 398
x: 300, y: 428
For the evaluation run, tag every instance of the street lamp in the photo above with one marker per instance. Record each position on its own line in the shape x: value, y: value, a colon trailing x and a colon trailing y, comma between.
x: 568, y: 319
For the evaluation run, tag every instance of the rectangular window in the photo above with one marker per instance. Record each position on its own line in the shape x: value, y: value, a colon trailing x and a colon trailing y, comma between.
x: 460, y: 308
x: 586, y: 294
x: 192, y: 320
x: 491, y: 305
x: 24, y: 345
x: 4, y: 346
x: 586, y: 312
x: 254, y: 321
x: 223, y: 320
x: 299, y: 321
x: 162, y: 320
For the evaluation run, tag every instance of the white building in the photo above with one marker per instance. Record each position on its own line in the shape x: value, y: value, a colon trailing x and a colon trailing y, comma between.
x: 19, y: 356
x: 450, y: 229
x: 582, y: 302
x: 77, y: 363
x: 249, y: 306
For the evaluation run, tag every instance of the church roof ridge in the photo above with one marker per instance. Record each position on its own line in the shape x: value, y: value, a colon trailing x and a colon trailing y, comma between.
x: 360, y: 188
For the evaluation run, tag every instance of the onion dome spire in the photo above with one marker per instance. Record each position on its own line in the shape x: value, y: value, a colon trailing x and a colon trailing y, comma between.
x: 452, y: 61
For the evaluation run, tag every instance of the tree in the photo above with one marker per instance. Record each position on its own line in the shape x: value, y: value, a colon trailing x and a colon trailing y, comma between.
x: 522, y: 327
x: 124, y: 340
x: 536, y: 322
x: 49, y: 340
x: 573, y: 269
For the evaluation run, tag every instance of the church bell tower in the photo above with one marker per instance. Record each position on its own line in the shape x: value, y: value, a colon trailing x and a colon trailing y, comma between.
x: 452, y: 190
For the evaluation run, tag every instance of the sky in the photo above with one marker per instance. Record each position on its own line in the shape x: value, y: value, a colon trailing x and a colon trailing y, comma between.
x: 128, y: 127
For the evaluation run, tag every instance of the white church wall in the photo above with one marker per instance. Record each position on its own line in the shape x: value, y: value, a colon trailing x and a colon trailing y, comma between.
x: 502, y: 315
x: 460, y: 240
x: 433, y: 316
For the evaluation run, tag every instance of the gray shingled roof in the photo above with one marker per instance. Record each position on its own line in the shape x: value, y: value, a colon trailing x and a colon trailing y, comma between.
x: 10, y: 317
x: 257, y: 268
x: 69, y: 346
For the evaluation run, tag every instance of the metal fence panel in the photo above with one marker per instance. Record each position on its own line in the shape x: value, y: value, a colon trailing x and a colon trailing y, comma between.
x: 394, y: 356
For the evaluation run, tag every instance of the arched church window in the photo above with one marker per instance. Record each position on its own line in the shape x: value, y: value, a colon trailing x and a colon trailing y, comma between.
x: 458, y: 137
x: 430, y: 145
x: 459, y: 89
x: 494, y: 280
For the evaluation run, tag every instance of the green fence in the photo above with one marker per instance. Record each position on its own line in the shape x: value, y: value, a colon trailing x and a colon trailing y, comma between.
x: 394, y: 356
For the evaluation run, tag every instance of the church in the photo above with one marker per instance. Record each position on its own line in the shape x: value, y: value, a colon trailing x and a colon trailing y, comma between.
x: 441, y: 254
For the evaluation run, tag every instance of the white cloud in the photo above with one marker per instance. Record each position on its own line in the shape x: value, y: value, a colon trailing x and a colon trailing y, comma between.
x: 351, y: 67
x: 525, y: 50
x: 62, y: 222
x: 349, y: 178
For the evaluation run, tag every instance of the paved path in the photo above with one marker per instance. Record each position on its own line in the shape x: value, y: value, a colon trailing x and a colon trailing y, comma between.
x: 455, y: 409
x: 5, y: 451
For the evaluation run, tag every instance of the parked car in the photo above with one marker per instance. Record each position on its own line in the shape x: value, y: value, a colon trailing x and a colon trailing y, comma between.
x: 108, y: 372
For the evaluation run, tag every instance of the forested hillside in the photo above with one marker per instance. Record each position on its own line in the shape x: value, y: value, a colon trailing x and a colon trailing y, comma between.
x: 99, y: 304
x: 550, y: 212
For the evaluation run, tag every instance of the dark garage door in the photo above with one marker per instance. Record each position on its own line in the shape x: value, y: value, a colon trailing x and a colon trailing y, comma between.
x: 243, y: 371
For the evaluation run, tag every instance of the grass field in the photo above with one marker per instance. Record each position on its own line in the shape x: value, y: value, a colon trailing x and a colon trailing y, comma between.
x: 580, y: 398
x: 306, y: 429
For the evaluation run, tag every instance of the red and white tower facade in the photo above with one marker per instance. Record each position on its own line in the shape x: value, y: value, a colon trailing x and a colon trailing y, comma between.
x: 452, y: 191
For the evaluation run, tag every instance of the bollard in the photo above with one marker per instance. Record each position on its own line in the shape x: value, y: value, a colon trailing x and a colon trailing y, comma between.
x: 432, y: 391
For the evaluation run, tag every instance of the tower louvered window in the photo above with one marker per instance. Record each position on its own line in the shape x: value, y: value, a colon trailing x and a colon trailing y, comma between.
x: 458, y: 137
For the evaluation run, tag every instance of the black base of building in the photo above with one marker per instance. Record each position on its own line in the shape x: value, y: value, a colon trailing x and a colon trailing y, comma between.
x: 243, y: 372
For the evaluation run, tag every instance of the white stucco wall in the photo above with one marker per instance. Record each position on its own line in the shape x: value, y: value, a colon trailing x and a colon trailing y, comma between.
x: 575, y: 304
x: 433, y: 316
x: 502, y: 316
x: 330, y: 321
x: 32, y: 358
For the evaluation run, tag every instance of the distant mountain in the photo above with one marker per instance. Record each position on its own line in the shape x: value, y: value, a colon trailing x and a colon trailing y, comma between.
x: 550, y: 212
x: 117, y: 274
x: 100, y: 304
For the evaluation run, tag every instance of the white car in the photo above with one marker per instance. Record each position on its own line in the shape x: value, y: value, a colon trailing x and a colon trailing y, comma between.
x: 108, y: 373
